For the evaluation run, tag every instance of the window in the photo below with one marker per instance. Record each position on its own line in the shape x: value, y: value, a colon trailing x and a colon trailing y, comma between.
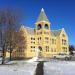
x: 64, y: 42
x: 33, y: 42
x: 47, y: 48
x: 39, y: 26
x: 46, y: 26
x: 39, y: 38
x: 32, y: 38
x: 39, y: 33
x: 63, y: 35
x: 64, y: 49
x: 46, y: 33
x: 32, y: 48
x: 52, y: 41
x: 46, y: 38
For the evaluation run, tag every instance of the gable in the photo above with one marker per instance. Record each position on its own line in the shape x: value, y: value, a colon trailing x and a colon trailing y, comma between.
x: 63, y: 34
x: 56, y: 32
x: 28, y: 30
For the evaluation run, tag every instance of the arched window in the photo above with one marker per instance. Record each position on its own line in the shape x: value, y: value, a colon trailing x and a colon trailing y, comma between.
x: 46, y: 26
x: 39, y: 26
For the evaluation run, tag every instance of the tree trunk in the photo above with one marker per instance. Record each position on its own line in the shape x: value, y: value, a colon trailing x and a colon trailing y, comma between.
x: 3, y: 56
x: 10, y: 51
x: 10, y: 54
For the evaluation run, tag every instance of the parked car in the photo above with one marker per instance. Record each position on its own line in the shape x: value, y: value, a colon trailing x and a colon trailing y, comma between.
x: 62, y: 56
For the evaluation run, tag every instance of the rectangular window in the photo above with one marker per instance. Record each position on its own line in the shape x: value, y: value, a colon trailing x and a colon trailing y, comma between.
x: 32, y: 48
x: 32, y: 42
x: 52, y: 41
x: 38, y: 33
x: 64, y: 49
x: 64, y: 42
x: 32, y: 38
x: 46, y: 39
x: 46, y: 33
x: 39, y: 38
x: 47, y: 48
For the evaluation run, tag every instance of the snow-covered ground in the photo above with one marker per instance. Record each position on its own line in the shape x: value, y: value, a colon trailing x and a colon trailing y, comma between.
x: 21, y: 68
x: 0, y: 60
x: 59, y: 68
x: 53, y: 67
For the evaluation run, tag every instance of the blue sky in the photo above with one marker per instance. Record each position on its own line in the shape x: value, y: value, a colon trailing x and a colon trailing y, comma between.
x: 61, y: 13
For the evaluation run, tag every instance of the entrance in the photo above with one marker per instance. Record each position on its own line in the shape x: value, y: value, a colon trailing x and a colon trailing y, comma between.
x: 40, y: 52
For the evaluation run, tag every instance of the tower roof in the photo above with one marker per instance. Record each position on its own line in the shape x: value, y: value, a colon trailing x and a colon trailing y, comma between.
x: 42, y: 16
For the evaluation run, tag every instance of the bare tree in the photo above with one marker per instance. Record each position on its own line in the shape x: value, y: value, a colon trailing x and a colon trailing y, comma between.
x: 2, y: 38
x: 9, y: 25
x: 21, y: 41
x: 71, y: 49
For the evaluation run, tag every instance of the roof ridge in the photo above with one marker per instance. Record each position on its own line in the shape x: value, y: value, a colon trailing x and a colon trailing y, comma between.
x: 26, y: 27
x: 56, y: 30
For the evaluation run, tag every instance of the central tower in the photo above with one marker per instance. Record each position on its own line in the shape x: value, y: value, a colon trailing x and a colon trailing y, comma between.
x: 42, y: 21
x: 42, y: 27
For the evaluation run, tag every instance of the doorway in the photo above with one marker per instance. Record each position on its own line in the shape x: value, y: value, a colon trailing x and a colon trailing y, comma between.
x: 40, y: 51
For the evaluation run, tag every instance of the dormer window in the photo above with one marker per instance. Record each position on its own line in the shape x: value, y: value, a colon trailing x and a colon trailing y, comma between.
x: 46, y: 26
x: 63, y: 35
x: 39, y: 26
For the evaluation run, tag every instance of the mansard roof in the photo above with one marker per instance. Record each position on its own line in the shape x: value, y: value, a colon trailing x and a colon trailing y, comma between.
x: 56, y: 32
x: 42, y: 16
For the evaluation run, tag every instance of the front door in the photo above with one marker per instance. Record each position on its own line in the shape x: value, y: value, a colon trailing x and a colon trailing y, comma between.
x: 40, y: 51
